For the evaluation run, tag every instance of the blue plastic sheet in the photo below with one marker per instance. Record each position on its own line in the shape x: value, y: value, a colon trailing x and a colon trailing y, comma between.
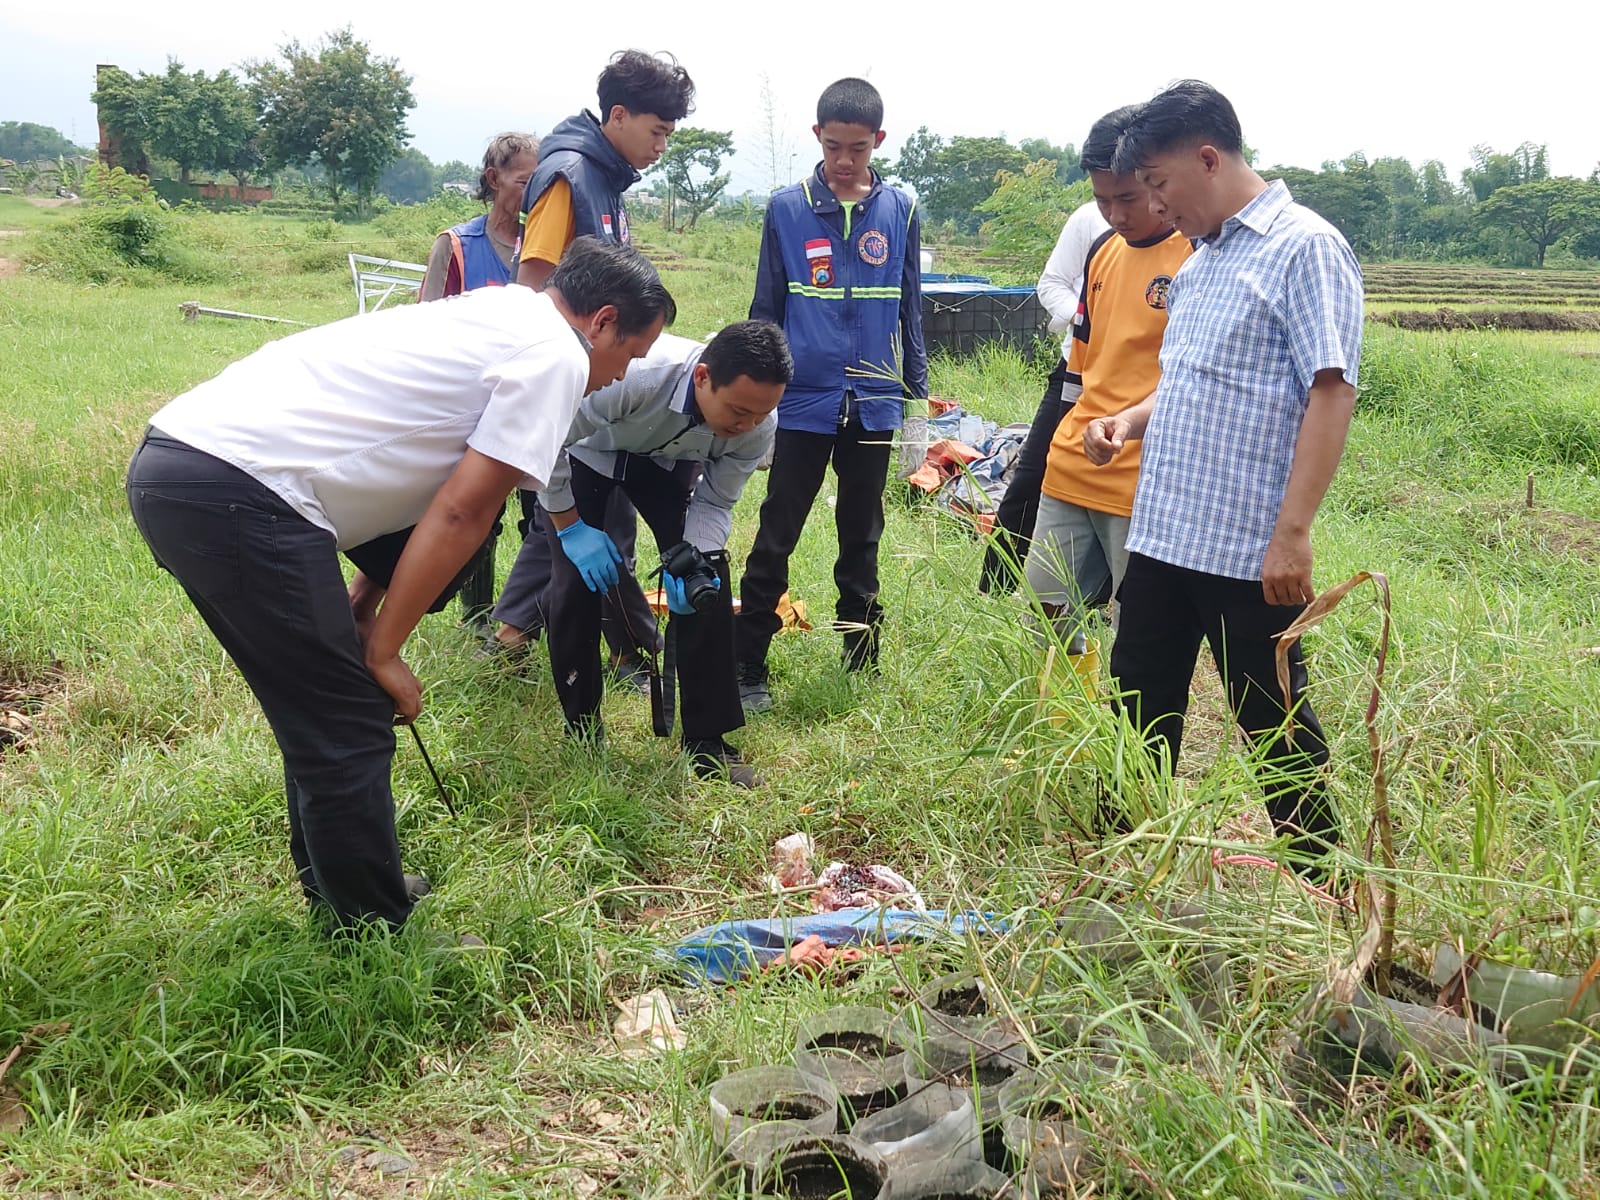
x: 726, y: 952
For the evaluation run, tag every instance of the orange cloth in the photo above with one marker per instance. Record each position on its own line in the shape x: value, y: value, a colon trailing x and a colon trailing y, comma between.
x: 1116, y: 348
x: 549, y: 227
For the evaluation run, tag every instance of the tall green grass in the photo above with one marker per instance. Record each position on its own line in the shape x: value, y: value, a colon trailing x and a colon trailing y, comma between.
x: 195, y: 1034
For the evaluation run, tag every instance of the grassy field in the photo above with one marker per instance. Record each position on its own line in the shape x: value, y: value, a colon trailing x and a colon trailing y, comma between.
x: 181, y: 1031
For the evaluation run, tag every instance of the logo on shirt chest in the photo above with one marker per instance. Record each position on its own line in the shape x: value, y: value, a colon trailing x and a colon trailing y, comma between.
x: 873, y: 247
x: 819, y: 257
x: 1156, y: 294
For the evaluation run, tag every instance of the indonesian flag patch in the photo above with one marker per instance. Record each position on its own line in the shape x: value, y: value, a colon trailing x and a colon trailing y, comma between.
x: 819, y: 257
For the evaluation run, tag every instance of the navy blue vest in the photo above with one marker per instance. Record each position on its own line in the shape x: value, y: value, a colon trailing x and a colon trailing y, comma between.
x: 475, y: 257
x: 576, y: 150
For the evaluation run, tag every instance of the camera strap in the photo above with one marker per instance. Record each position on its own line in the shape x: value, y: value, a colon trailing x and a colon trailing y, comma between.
x: 662, y: 675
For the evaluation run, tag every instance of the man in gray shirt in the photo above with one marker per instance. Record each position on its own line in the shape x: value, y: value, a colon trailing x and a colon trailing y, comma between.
x: 680, y: 434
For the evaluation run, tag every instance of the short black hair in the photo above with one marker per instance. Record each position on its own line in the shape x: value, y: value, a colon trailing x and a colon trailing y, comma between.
x: 594, y: 273
x: 1187, y: 113
x: 1100, y: 147
x: 757, y: 349
x: 851, y: 102
x: 646, y: 83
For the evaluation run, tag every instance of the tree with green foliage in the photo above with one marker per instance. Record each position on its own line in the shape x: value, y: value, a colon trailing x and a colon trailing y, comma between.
x: 689, y: 167
x: 1065, y: 158
x: 1025, y: 213
x: 457, y: 171
x: 918, y: 164
x: 337, y: 105
x: 409, y: 179
x: 203, y: 121
x: 194, y: 119
x: 128, y: 110
x: 952, y: 179
x: 1543, y: 212
x: 1434, y: 186
x: 1347, y: 195
x: 26, y: 142
x: 1490, y: 171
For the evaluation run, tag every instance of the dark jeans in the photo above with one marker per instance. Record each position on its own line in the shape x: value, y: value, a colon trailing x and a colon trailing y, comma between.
x: 701, y: 644
x: 268, y: 584
x: 860, y: 460
x: 1019, y: 507
x: 1166, y: 611
x: 523, y: 600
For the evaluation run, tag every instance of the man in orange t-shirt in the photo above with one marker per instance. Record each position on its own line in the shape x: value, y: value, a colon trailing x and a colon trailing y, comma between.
x: 1078, y: 552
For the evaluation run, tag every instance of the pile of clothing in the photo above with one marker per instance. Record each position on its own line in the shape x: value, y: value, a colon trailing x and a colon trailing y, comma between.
x: 969, y: 462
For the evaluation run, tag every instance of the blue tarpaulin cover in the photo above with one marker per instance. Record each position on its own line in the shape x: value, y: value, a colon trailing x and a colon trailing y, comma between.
x: 725, y: 952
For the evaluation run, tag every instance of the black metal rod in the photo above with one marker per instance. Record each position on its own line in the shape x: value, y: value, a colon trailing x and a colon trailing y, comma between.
x: 444, y: 795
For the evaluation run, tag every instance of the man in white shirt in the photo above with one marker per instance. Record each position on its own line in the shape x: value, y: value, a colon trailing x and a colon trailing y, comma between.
x: 681, y: 434
x: 337, y: 439
x: 1060, y: 290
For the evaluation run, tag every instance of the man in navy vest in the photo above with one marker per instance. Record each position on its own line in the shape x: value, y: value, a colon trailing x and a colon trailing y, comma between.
x: 585, y: 164
x: 840, y: 271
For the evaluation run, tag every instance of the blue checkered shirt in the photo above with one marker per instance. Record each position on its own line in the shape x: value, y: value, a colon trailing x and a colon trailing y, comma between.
x: 1253, y: 315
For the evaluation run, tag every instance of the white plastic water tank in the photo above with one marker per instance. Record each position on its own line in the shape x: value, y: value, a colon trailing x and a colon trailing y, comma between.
x: 927, y: 262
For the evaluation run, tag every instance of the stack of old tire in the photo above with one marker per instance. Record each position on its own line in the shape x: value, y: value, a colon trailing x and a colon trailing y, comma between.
x: 935, y: 1102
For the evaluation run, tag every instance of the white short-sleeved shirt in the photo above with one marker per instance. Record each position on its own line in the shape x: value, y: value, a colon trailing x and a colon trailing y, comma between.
x: 356, y: 424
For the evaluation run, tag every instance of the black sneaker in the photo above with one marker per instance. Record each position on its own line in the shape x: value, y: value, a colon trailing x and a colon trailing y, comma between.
x: 713, y: 758
x: 753, y: 693
x: 630, y: 671
x: 860, y: 652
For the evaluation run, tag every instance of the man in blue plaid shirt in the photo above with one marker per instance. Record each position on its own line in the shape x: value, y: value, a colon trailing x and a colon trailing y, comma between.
x: 1241, y: 439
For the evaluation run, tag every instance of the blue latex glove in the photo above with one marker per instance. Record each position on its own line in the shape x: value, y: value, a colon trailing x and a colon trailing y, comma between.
x: 677, y: 602
x: 593, y: 552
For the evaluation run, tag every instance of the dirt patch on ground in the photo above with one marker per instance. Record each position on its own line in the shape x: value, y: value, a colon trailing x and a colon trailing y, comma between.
x: 1559, y: 534
x: 24, y: 698
x: 1565, y: 321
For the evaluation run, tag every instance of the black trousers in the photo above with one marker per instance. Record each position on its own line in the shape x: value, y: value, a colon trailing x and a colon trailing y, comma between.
x: 1166, y: 611
x: 800, y: 460
x: 523, y: 601
x: 268, y: 584
x: 701, y: 645
x: 1019, y: 507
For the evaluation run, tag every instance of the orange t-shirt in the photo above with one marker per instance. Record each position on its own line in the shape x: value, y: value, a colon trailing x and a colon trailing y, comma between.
x: 549, y: 226
x: 1116, y: 349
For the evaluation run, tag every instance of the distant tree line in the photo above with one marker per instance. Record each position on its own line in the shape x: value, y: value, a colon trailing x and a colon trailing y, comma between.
x: 1506, y: 207
x: 335, y: 109
x: 23, y: 141
x: 334, y: 117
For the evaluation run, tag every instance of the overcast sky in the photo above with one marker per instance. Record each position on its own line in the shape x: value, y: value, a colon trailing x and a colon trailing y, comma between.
x: 1311, y: 82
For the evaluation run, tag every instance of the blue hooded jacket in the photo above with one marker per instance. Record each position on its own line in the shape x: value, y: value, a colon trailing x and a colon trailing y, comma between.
x: 846, y: 285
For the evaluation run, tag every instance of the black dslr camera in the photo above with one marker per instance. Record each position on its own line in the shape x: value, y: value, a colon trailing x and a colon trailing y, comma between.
x: 685, y: 563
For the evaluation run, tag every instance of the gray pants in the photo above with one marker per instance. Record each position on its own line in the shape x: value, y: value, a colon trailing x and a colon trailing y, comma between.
x: 1078, y: 556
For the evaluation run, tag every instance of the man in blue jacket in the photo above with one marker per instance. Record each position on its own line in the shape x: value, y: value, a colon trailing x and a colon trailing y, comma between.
x: 840, y: 271
x: 585, y: 164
